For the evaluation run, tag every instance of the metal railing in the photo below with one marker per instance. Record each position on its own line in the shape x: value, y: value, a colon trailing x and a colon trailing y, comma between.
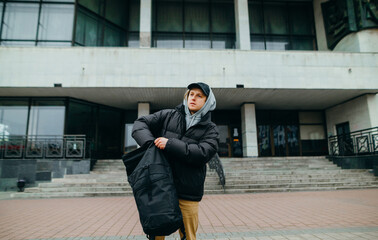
x: 44, y: 147
x: 362, y: 142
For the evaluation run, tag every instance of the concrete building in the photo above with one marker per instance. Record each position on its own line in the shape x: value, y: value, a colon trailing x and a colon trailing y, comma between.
x: 286, y: 74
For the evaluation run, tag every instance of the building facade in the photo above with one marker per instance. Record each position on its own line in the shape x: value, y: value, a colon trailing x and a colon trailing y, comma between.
x: 286, y: 74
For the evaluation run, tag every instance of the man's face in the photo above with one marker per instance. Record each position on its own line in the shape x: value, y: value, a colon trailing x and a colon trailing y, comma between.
x: 196, y: 99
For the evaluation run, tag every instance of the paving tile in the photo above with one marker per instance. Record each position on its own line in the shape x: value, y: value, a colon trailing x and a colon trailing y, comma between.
x: 331, y: 215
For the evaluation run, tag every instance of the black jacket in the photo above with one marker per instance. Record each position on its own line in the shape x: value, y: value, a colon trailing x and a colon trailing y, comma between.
x: 187, y: 150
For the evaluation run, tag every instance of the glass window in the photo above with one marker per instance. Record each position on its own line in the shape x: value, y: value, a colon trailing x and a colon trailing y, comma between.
x: 112, y: 36
x: 93, y: 5
x: 54, y: 44
x: 275, y: 18
x: 20, y: 21
x: 257, y: 42
x: 58, y: 1
x: 134, y: 14
x: 169, y: 41
x: 195, y: 24
x: 56, y: 22
x: 169, y: 17
x: 22, y: 0
x: 223, y: 41
x: 110, y: 25
x: 301, y: 19
x: 222, y: 17
x: 81, y: 119
x: 277, y: 43
x: 1, y: 10
x: 116, y: 12
x: 18, y: 43
x: 47, y: 120
x: 133, y: 41
x: 303, y: 43
x: 86, y: 29
x: 13, y: 119
x: 256, y: 18
x: 284, y: 25
x: 197, y: 41
x: 197, y: 17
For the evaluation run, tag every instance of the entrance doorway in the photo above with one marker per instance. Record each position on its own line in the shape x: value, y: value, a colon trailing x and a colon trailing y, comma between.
x: 344, y: 139
x: 278, y: 140
x: 229, y: 141
x: 278, y: 133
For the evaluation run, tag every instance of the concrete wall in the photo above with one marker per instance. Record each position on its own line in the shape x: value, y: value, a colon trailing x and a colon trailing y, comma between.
x: 357, y: 112
x: 38, y: 170
x: 124, y: 67
x: 363, y: 41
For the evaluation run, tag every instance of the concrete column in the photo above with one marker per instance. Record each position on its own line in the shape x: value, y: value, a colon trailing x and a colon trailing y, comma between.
x: 143, y: 109
x: 319, y: 26
x: 242, y: 25
x: 249, y: 130
x: 372, y: 100
x: 145, y: 23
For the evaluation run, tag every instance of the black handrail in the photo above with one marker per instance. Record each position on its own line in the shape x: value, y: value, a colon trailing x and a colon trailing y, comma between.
x: 361, y: 142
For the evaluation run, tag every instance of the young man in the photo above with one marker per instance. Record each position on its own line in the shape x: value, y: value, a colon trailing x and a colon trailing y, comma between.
x: 190, y: 140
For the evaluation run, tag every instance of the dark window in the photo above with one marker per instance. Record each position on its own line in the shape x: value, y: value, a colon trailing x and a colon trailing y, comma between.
x: 81, y: 119
x: 198, y: 24
x: 281, y: 25
x: 107, y: 23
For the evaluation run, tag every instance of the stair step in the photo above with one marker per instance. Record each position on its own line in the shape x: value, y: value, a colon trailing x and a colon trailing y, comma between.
x: 243, y: 175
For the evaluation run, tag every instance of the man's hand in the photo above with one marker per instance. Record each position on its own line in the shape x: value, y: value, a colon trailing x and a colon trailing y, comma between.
x: 161, y: 142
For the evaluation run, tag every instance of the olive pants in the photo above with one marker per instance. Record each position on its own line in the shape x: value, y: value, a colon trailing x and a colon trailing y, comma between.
x: 189, y: 210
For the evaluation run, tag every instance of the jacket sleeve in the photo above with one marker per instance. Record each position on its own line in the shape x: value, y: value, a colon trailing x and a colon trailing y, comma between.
x: 147, y: 128
x: 195, y: 154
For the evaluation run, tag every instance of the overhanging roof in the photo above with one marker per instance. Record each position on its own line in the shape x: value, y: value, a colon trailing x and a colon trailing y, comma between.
x: 227, y: 98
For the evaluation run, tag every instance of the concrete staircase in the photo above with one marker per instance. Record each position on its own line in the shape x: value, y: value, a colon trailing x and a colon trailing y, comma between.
x: 243, y: 175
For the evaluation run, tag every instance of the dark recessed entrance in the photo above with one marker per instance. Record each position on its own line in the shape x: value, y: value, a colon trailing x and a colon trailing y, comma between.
x: 278, y: 133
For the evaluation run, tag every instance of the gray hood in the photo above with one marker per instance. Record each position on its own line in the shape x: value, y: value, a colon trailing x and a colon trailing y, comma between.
x: 209, y: 105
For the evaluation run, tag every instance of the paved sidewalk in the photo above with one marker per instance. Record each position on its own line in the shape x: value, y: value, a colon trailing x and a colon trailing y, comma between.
x: 331, y: 215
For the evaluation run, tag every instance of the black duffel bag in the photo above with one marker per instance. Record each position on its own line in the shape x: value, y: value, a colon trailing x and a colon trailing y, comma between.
x: 151, y: 180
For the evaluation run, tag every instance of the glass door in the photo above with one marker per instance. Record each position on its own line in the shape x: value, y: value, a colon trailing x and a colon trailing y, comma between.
x: 264, y: 139
x: 292, y: 133
x: 279, y: 140
x: 344, y: 139
x: 224, y: 141
x: 130, y: 143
